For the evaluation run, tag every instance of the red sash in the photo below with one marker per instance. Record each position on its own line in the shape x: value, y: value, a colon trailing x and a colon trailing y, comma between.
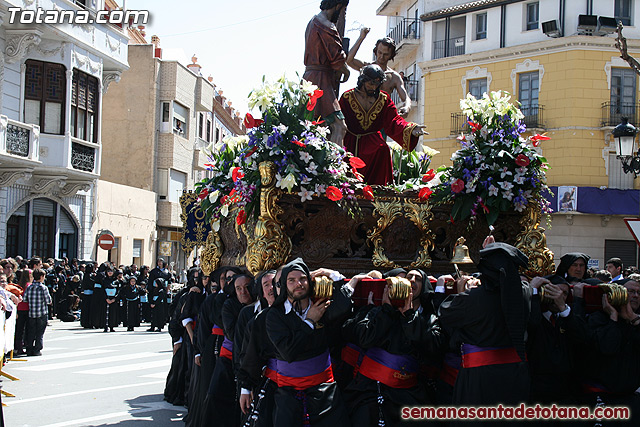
x: 226, y: 353
x: 351, y: 355
x: 301, y: 374
x: 473, y: 356
x: 216, y: 330
x: 390, y: 369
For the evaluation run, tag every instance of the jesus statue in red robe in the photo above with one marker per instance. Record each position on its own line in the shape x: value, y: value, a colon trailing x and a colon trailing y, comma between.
x: 367, y: 111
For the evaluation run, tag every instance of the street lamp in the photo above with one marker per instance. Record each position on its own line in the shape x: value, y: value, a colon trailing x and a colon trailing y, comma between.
x: 625, y: 137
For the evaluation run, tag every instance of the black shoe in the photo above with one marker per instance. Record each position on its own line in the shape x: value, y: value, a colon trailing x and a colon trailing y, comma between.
x: 130, y: 329
x: 112, y: 330
x: 105, y: 330
x: 151, y: 330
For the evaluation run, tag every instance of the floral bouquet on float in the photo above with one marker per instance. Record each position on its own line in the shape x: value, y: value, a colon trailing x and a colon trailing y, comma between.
x: 307, y: 163
x: 496, y: 170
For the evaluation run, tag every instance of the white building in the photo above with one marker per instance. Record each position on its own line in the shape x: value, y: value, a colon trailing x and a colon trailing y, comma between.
x: 52, y: 79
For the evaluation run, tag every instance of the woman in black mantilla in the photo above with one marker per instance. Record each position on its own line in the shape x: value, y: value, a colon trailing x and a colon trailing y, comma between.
x: 157, y: 302
x: 130, y: 296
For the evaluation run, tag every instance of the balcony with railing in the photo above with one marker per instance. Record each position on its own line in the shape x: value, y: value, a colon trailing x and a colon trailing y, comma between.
x: 449, y: 47
x: 459, y: 123
x: 18, y: 141
x: 411, y: 87
x: 407, y: 29
x: 533, y: 116
x: 613, y: 112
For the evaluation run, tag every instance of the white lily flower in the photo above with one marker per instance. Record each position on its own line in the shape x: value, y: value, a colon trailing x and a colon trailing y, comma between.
x: 225, y: 210
x: 305, y: 194
x: 215, y: 226
x: 213, y: 197
x: 288, y: 182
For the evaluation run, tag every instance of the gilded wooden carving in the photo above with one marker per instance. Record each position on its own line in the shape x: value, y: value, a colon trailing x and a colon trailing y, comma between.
x: 212, y: 253
x: 533, y: 243
x: 388, y: 211
x: 268, y: 246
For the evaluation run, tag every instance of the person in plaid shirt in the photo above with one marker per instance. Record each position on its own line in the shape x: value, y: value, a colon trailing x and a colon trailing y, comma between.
x: 38, y: 297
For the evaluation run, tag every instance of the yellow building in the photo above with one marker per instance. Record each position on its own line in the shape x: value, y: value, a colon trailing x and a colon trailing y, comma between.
x: 562, y: 65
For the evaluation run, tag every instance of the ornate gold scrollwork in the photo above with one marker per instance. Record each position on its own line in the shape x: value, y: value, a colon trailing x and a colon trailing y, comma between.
x: 389, y: 211
x: 533, y: 243
x: 212, y: 253
x: 420, y: 214
x: 268, y: 246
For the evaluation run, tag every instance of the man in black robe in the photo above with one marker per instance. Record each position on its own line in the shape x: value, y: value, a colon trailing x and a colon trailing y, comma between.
x: 225, y: 406
x: 554, y: 332
x: 394, y: 342
x: 258, y: 385
x: 87, y: 295
x: 298, y: 329
x: 613, y: 374
x: 489, y: 324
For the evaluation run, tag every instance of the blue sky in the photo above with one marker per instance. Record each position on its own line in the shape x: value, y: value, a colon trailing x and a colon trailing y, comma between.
x: 237, y: 42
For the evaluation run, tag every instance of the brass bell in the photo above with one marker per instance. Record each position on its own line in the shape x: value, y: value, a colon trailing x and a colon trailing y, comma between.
x: 461, y: 253
x: 399, y: 288
x: 323, y: 288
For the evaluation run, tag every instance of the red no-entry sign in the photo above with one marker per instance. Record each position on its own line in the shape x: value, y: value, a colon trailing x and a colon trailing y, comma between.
x: 106, y: 241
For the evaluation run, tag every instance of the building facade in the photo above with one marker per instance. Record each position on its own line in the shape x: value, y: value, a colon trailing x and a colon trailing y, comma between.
x: 558, y: 59
x: 158, y: 119
x: 52, y: 80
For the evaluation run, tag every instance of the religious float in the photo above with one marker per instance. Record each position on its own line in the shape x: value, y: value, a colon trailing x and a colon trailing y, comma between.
x: 284, y: 191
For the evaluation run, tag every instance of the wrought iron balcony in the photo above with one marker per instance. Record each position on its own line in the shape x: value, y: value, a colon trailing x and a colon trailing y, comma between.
x: 452, y: 47
x: 407, y: 29
x: 412, y: 90
x: 613, y: 112
x: 83, y: 157
x: 533, y: 116
x: 19, y: 139
x: 459, y: 123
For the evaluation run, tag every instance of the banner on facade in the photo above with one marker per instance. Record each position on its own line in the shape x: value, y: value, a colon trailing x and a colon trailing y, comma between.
x: 195, y: 227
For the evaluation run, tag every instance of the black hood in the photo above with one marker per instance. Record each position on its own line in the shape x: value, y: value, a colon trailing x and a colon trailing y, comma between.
x: 394, y: 272
x: 295, y: 265
x: 498, y: 266
x: 570, y: 258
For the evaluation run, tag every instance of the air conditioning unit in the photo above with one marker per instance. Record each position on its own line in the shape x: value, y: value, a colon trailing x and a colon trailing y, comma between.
x: 607, y: 25
x: 550, y: 29
x: 587, y: 24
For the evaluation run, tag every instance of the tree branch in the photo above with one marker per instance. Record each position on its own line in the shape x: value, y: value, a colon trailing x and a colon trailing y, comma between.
x: 621, y: 45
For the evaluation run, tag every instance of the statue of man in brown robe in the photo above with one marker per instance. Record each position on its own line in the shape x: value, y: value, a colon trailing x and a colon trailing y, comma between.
x: 325, y: 64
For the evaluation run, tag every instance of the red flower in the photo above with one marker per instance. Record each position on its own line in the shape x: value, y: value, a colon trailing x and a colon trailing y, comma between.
x: 457, y: 186
x: 367, y: 192
x: 333, y: 193
x: 242, y: 217
x: 298, y: 143
x: 208, y: 165
x: 250, y: 152
x: 522, y: 160
x: 428, y: 176
x: 204, y: 193
x: 317, y: 122
x: 535, y: 139
x: 484, y: 207
x: 475, y: 126
x: 358, y: 176
x: 424, y: 194
x: 237, y: 174
x: 223, y: 199
x: 232, y: 192
x: 250, y: 122
x: 313, y: 99
x: 357, y: 163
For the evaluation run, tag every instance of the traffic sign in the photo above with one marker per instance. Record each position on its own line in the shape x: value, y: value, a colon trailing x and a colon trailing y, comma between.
x: 106, y: 241
x: 633, y: 224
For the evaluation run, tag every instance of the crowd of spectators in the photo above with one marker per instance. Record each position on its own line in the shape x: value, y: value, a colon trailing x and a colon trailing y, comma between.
x: 101, y: 296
